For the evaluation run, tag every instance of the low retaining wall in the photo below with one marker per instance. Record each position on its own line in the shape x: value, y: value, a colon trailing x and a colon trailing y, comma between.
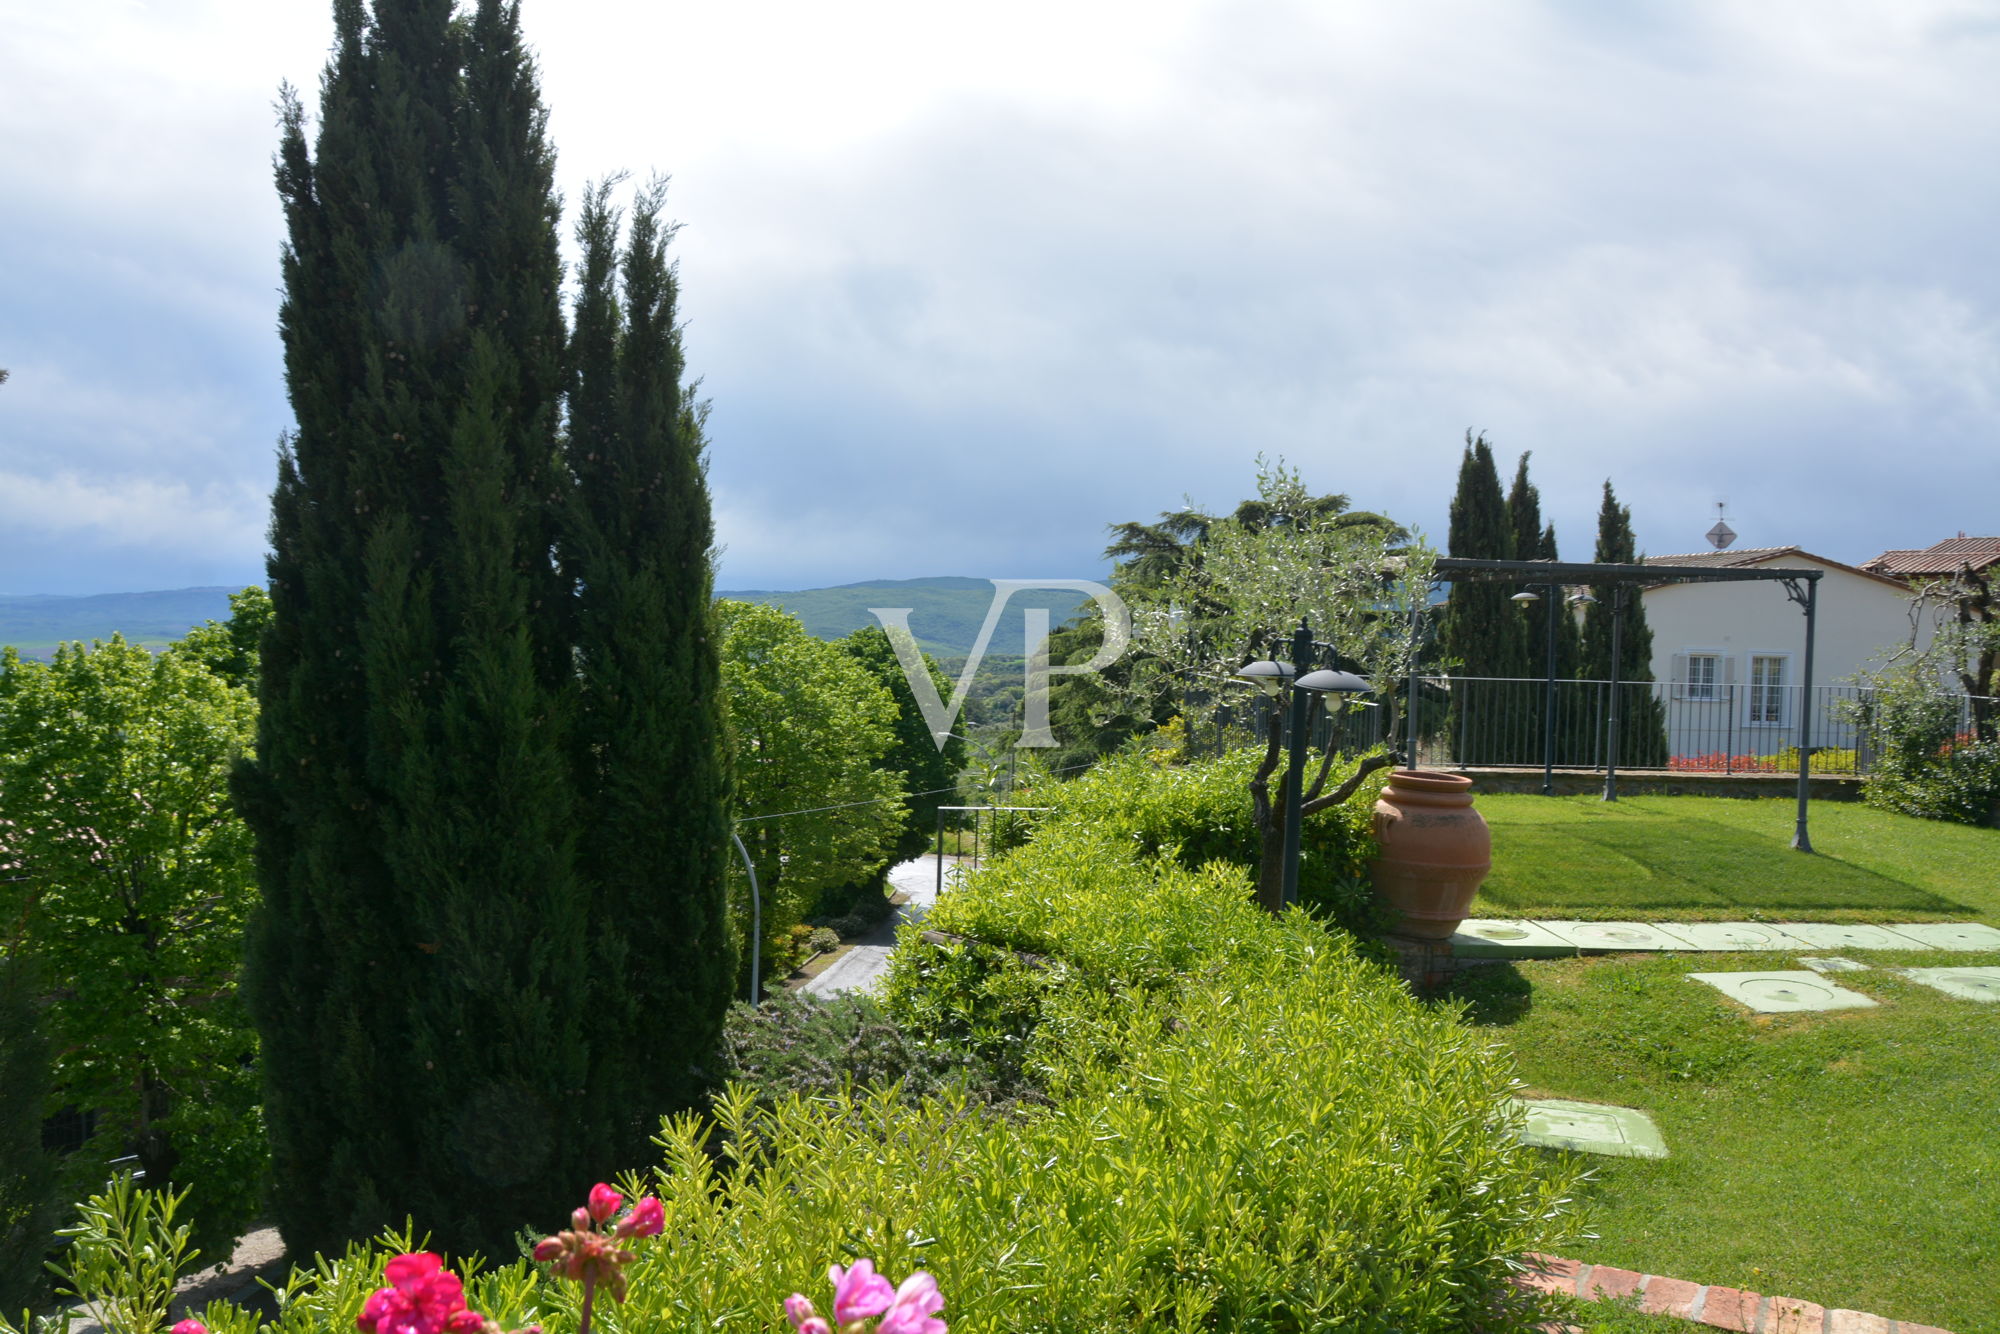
x: 1665, y: 783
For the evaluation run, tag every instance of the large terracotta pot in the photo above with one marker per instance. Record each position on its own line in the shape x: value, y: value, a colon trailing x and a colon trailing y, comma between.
x: 1435, y: 850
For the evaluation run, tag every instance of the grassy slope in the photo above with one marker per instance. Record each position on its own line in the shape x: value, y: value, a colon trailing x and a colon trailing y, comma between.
x: 1848, y: 1158
x: 1721, y: 858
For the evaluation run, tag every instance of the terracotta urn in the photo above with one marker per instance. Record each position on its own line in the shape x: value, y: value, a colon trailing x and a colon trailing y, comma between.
x: 1435, y: 850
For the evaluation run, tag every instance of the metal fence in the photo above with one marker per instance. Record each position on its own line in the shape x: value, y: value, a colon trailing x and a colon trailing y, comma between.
x: 1492, y: 722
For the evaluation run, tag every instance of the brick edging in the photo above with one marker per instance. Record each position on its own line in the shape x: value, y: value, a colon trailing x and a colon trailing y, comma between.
x: 1723, y: 1308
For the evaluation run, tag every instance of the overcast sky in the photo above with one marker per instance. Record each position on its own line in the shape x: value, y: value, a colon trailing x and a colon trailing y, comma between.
x: 965, y: 283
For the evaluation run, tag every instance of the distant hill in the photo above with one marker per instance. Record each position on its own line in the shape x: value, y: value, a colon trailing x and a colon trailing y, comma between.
x: 36, y: 623
x: 946, y: 612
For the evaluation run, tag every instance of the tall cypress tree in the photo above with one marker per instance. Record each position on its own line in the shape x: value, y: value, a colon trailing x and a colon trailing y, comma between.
x: 1642, y: 727
x: 1480, y: 634
x: 1534, y: 541
x: 448, y: 998
x: 653, y: 776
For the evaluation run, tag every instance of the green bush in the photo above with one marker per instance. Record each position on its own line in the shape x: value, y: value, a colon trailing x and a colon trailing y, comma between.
x: 30, y: 1208
x: 793, y: 1045
x: 1925, y: 766
x: 1201, y: 812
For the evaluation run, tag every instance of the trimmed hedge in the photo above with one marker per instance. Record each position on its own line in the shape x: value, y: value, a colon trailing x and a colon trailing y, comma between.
x: 1198, y: 813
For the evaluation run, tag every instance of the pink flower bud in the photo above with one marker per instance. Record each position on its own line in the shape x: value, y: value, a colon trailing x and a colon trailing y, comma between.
x: 189, y: 1326
x: 798, y: 1310
x: 646, y: 1219
x: 548, y: 1248
x: 579, y: 1219
x: 604, y: 1201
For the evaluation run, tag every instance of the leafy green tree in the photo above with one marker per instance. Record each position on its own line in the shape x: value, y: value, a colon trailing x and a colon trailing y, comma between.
x: 1642, y: 726
x: 30, y: 1206
x: 130, y: 885
x: 929, y: 771
x: 488, y: 820
x: 1240, y: 595
x: 229, y: 648
x: 813, y: 732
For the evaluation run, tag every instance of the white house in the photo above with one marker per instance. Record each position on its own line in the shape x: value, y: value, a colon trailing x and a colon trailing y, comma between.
x: 1731, y: 656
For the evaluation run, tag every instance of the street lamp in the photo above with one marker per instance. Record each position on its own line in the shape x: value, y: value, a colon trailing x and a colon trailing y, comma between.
x: 1273, y: 678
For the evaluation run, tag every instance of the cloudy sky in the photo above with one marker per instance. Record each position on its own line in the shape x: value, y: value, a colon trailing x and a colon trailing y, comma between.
x: 967, y: 282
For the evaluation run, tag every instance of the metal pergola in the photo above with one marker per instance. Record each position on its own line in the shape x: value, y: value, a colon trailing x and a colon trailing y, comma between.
x: 1801, y: 587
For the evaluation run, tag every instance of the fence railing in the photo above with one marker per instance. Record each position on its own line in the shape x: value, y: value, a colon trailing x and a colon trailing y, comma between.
x: 1689, y: 727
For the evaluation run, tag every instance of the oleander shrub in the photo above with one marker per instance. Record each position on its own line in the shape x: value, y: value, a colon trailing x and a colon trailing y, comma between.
x: 1201, y: 812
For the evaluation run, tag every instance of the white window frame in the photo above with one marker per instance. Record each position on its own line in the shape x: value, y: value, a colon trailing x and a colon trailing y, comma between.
x: 1722, y: 677
x: 1784, y: 687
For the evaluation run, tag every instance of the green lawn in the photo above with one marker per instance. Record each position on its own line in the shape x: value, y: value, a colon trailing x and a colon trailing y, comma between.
x: 1722, y: 858
x: 1850, y: 1158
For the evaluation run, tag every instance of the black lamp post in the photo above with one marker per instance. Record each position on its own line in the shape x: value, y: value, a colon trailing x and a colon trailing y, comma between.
x: 1273, y: 678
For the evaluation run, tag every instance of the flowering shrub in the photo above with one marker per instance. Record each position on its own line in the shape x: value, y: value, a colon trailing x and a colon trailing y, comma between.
x: 1716, y: 762
x: 860, y: 1294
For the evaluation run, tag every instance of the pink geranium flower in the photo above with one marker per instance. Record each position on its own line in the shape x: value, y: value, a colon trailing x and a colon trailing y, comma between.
x: 189, y: 1326
x: 859, y: 1292
x: 915, y: 1308
x: 423, y: 1297
x: 646, y: 1219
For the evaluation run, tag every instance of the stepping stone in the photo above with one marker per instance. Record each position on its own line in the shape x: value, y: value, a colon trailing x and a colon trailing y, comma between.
x: 1784, y: 992
x: 1833, y: 964
x: 1589, y: 1127
x: 1847, y: 936
x: 1951, y: 935
x: 1976, y: 984
x: 1743, y: 936
x: 1607, y: 936
x: 1486, y: 938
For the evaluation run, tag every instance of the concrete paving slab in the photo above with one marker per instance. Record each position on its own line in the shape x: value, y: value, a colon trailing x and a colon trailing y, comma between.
x: 860, y: 969
x: 1736, y: 936
x: 1489, y: 938
x: 1784, y: 992
x: 1850, y: 936
x: 1976, y: 984
x: 1589, y: 1127
x: 1950, y: 935
x: 1833, y: 964
x: 1609, y: 936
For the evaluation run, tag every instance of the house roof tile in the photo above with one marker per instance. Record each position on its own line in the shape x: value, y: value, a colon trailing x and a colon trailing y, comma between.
x: 1941, y: 558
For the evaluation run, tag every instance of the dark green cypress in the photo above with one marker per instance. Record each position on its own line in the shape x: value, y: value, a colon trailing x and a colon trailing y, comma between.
x: 1525, y: 702
x: 448, y: 998
x: 1481, y: 633
x: 653, y: 772
x: 1642, y: 727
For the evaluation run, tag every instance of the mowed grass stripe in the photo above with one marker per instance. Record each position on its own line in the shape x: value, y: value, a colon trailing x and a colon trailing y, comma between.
x: 1719, y: 858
